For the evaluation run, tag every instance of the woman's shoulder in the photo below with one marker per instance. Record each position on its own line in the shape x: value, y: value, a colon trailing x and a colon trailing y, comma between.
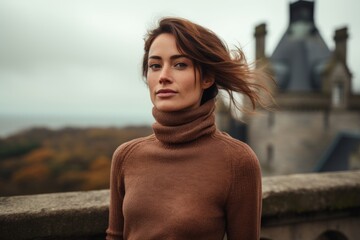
x: 239, y: 151
x: 125, y: 149
x: 245, y: 166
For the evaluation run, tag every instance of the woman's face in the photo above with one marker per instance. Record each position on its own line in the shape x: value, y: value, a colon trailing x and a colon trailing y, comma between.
x: 173, y: 81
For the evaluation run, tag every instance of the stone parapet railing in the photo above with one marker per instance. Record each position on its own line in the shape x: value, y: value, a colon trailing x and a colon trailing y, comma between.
x: 324, y: 206
x: 299, y: 206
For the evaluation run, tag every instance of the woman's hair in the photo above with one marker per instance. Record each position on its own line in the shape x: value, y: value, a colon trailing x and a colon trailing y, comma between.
x: 212, y: 58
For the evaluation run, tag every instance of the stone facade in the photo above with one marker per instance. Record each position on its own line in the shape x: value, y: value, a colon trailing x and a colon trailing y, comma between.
x: 294, y: 141
x: 313, y: 106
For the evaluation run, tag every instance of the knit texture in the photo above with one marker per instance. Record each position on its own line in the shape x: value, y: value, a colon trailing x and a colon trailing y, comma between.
x: 186, y: 181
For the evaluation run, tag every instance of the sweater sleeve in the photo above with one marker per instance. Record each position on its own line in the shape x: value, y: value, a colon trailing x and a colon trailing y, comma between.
x: 243, y: 207
x: 116, y: 218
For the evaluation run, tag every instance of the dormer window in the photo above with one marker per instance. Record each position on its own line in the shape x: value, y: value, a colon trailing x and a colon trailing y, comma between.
x: 338, y: 95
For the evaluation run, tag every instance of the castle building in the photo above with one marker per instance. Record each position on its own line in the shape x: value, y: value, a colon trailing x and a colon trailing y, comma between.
x: 314, y: 100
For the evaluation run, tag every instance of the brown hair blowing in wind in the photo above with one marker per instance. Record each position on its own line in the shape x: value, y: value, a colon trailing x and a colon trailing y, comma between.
x: 213, y: 59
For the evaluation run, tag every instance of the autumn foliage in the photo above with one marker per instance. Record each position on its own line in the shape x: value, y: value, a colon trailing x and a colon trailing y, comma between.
x: 43, y: 161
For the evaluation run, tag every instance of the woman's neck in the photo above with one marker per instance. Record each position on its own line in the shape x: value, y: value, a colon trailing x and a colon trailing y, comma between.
x: 185, y: 125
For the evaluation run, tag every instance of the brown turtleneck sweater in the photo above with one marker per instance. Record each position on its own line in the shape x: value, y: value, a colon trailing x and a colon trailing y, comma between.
x: 186, y: 181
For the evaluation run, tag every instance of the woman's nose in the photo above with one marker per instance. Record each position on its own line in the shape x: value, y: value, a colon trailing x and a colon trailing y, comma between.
x: 165, y: 75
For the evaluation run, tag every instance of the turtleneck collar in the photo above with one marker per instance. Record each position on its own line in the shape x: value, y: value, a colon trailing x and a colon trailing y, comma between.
x: 186, y: 125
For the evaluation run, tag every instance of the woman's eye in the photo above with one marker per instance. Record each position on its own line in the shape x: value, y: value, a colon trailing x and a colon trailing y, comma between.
x: 154, y: 66
x: 181, y: 65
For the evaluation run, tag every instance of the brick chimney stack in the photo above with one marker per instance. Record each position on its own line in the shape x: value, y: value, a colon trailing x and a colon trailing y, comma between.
x: 340, y: 38
x: 260, y: 33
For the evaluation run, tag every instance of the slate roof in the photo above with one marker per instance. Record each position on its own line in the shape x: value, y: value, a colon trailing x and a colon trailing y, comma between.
x: 301, y: 55
x: 336, y: 157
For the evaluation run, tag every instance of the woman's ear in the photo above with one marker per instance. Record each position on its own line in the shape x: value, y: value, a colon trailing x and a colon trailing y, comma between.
x: 207, y: 82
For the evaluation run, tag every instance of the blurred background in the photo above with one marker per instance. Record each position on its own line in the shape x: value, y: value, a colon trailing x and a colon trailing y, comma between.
x: 71, y: 88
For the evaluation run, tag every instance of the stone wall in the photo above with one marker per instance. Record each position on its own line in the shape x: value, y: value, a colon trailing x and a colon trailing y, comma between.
x: 293, y: 141
x: 71, y: 215
x: 295, y: 207
x: 311, y: 206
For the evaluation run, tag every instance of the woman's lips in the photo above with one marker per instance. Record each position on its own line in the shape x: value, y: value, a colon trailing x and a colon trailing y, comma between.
x: 165, y: 93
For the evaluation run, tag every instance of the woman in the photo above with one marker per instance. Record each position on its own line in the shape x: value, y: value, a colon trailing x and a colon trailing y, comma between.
x: 188, y: 180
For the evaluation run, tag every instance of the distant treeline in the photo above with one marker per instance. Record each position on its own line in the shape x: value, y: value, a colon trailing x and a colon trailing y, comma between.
x: 41, y: 160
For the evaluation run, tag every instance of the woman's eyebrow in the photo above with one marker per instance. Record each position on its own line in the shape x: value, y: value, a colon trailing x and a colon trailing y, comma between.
x: 173, y: 57
x: 178, y: 56
x: 155, y: 57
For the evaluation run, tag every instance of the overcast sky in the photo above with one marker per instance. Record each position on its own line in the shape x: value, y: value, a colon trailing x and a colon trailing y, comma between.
x: 82, y: 57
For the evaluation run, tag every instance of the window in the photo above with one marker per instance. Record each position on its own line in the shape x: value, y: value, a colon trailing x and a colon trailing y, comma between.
x: 338, y: 95
x: 270, y: 154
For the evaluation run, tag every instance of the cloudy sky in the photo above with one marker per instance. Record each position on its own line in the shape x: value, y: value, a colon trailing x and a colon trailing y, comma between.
x: 82, y: 57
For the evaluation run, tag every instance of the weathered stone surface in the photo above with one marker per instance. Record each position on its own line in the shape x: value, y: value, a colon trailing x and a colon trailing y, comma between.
x: 59, y: 215
x: 308, y: 206
x: 304, y: 193
x: 84, y: 215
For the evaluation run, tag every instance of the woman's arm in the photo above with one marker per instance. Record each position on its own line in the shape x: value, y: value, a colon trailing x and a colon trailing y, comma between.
x: 116, y: 218
x: 243, y: 209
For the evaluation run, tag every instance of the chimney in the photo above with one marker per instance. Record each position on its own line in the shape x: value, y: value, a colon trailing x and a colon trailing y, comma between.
x: 340, y: 38
x: 302, y: 11
x: 260, y: 33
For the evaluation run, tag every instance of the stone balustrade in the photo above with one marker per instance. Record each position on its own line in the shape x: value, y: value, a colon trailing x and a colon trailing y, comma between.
x: 312, y: 206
